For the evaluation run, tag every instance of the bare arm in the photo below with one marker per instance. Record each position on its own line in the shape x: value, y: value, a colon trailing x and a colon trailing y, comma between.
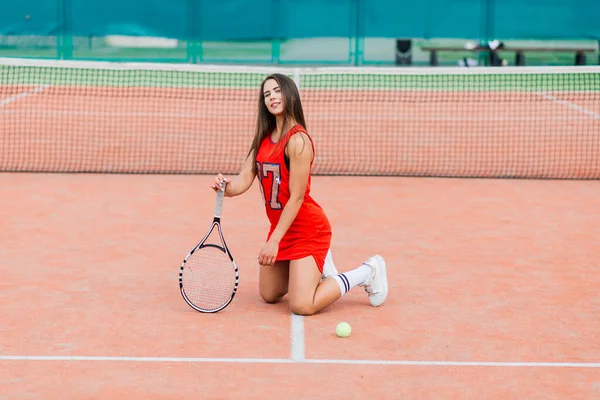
x: 300, y: 154
x: 241, y: 183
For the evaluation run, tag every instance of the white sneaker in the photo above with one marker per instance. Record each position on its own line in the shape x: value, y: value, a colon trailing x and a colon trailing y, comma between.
x: 377, y: 286
x: 329, y: 267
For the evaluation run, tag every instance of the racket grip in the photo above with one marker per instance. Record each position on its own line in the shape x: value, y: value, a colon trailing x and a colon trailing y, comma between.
x: 220, y: 196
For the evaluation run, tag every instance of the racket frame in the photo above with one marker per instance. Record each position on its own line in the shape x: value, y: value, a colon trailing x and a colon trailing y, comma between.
x: 216, y: 223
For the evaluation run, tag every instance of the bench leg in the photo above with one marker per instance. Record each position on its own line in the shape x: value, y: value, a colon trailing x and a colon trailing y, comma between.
x: 433, y: 59
x: 519, y: 58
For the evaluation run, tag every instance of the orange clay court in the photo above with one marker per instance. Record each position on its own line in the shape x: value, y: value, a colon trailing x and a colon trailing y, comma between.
x: 493, y: 282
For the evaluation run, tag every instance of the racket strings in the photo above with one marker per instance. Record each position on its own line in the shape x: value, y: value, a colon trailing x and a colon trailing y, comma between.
x: 209, y: 278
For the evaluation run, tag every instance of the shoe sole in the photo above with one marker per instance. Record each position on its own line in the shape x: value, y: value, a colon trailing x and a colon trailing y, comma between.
x: 383, y: 269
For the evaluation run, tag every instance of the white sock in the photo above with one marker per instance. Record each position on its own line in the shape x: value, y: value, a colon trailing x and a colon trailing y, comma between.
x: 350, y: 279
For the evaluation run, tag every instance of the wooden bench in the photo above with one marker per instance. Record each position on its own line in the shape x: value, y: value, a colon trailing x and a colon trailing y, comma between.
x: 580, y: 56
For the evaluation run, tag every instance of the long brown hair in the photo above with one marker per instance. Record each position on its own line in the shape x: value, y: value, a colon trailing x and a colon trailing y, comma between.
x: 266, y: 122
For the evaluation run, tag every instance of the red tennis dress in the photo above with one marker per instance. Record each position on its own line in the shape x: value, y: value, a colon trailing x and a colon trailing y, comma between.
x: 310, y: 232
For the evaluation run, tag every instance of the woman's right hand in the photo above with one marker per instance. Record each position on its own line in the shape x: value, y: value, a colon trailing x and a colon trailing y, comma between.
x: 216, y: 185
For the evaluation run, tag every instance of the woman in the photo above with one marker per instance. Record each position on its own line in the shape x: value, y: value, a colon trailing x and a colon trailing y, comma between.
x: 295, y: 259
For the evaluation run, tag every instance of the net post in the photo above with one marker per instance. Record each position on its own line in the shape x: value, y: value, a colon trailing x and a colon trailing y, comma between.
x: 192, y: 31
x: 276, y: 27
x: 65, y: 35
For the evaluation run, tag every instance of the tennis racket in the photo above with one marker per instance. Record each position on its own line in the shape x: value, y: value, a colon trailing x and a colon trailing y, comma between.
x: 208, y: 276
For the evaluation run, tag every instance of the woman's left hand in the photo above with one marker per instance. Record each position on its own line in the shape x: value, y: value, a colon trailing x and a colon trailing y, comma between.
x: 268, y: 253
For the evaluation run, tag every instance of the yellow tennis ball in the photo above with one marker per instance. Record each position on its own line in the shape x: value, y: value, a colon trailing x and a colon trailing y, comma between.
x: 343, y: 329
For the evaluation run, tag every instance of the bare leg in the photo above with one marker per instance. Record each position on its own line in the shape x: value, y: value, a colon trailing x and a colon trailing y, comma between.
x: 307, y: 294
x: 273, y: 281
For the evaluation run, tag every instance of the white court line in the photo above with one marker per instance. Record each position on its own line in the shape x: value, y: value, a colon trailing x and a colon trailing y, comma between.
x: 412, y: 117
x: 571, y: 105
x: 306, y: 361
x: 24, y: 94
x: 297, y: 336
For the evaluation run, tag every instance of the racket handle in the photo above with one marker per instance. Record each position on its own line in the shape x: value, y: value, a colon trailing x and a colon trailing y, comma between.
x: 220, y: 196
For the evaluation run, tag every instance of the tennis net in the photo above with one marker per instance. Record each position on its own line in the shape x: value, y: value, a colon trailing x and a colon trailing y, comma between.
x: 512, y: 122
